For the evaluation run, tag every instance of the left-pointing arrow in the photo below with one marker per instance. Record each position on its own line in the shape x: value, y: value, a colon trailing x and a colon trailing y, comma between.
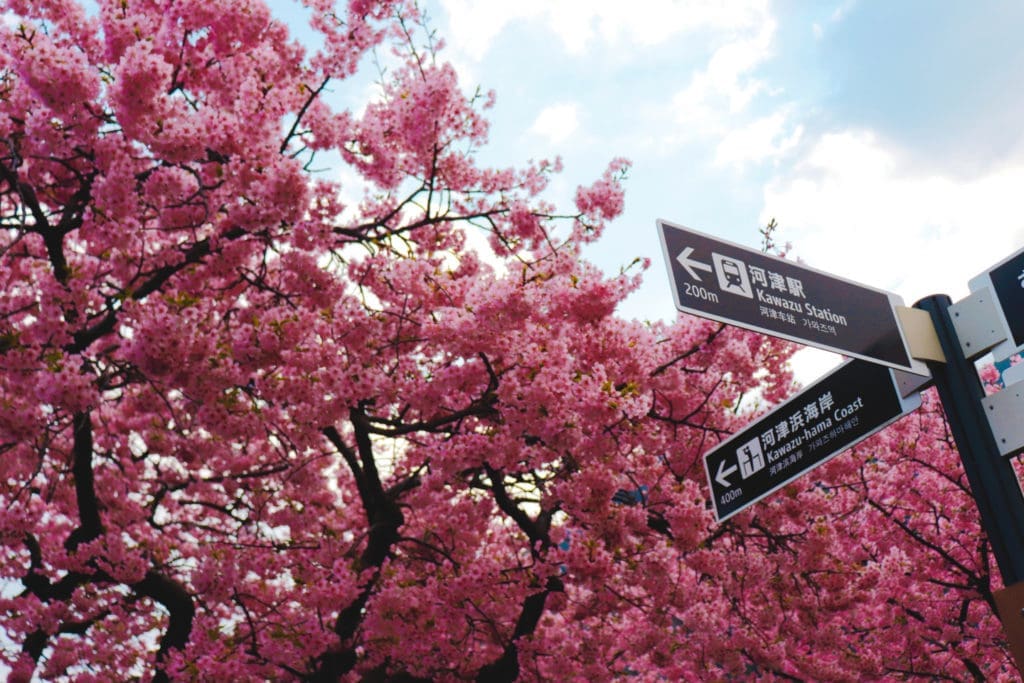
x: 690, y: 265
x: 723, y: 473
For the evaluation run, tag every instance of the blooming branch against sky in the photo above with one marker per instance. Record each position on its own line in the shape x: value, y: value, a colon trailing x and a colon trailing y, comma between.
x: 883, y: 137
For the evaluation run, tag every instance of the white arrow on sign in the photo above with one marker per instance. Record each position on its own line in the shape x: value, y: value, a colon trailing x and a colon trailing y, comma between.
x: 689, y: 264
x: 723, y: 473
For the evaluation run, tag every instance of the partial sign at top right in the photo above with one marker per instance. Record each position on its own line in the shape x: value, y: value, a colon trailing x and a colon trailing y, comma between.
x: 1006, y: 282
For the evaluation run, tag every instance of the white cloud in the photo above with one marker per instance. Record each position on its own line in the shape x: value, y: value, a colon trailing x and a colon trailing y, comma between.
x: 579, y: 24
x: 856, y: 207
x: 473, y: 25
x: 765, y: 138
x: 557, y: 122
x: 841, y: 11
x: 838, y: 14
x: 714, y: 105
x: 727, y: 105
x: 726, y: 86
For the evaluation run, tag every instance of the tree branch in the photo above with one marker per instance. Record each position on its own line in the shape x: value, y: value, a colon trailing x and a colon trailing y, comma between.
x: 385, y: 519
x: 194, y: 254
x: 173, y: 596
x: 313, y: 94
x: 537, y: 533
x: 90, y: 524
x: 683, y: 356
x: 505, y: 669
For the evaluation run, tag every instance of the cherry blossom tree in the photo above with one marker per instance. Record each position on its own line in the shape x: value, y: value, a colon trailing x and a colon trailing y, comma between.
x: 253, y: 430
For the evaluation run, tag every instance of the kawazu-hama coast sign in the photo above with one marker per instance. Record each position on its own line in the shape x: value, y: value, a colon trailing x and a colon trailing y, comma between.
x: 896, y: 352
x: 846, y: 406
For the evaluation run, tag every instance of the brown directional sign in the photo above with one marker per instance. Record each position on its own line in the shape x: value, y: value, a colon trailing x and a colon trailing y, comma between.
x: 744, y: 287
x: 844, y: 407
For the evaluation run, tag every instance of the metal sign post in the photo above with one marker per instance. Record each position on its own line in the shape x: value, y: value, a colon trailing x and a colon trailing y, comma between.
x: 993, y: 481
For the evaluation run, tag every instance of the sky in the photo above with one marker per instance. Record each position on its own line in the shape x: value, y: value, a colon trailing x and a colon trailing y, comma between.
x: 885, y: 138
